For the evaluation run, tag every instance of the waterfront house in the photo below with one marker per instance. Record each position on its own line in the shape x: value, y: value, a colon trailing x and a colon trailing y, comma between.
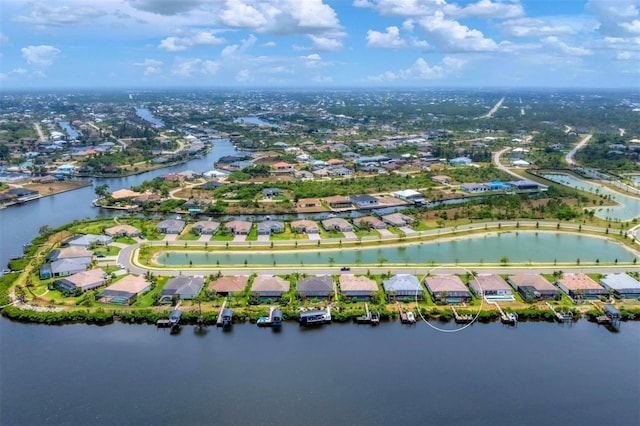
x: 338, y: 202
x: 269, y: 227
x: 364, y: 201
x: 357, y: 287
x: 581, y: 286
x: 321, y: 286
x: 22, y: 194
x: 410, y: 195
x: 447, y: 289
x: 88, y: 240
x: 533, y: 286
x: 337, y: 224
x: 398, y: 220
x: 205, y: 227
x: 306, y: 203
x: 526, y: 185
x: 63, y: 267
x: 238, y: 227
x: 306, y: 226
x: 370, y: 222
x: 80, y: 254
x: 123, y: 291
x: 270, y: 286
x: 622, y: 285
x: 403, y: 286
x: 474, y: 188
x: 171, y: 226
x: 84, y: 281
x: 491, y: 287
x: 229, y: 284
x: 182, y: 287
x: 122, y: 231
x: 123, y: 194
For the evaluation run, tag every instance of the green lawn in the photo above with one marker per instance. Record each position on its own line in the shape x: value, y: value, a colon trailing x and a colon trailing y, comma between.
x: 366, y: 233
x: 222, y: 236
x: 188, y: 236
x: 420, y: 226
x: 253, y: 234
x: 289, y: 235
x: 107, y: 251
x: 125, y: 240
x: 330, y: 234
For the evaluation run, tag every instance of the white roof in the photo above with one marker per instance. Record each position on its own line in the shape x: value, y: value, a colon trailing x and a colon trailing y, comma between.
x: 406, y: 193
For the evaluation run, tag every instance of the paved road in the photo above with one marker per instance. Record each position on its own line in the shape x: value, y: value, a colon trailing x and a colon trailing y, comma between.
x: 569, y: 157
x: 494, y: 109
x: 498, y: 164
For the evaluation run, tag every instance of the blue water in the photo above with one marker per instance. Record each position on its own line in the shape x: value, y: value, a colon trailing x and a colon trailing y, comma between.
x: 629, y: 208
x: 519, y: 247
x: 340, y: 374
x: 254, y: 120
x: 146, y: 115
x: 70, y: 130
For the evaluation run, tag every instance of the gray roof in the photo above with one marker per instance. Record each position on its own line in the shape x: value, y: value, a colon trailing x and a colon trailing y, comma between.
x: 269, y: 283
x: 402, y: 283
x: 172, y: 224
x: 621, y: 282
x: 319, y: 284
x: 87, y: 240
x: 183, y: 285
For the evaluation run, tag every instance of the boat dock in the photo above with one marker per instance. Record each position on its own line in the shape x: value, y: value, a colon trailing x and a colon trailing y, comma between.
x: 460, y: 319
x: 406, y: 317
x: 507, y: 317
x: 274, y: 319
x: 225, y: 316
x: 316, y: 317
x: 561, y: 317
x: 369, y: 317
x: 611, y: 316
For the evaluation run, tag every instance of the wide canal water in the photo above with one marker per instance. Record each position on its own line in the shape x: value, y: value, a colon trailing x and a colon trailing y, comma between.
x: 339, y: 374
x: 629, y: 208
x: 519, y: 247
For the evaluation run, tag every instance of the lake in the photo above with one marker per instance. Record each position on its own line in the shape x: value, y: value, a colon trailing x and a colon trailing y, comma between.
x: 338, y: 374
x: 519, y: 247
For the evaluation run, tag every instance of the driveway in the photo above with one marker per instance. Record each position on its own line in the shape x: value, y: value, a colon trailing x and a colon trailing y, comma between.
x: 204, y: 237
x: 239, y: 238
x: 170, y: 237
x: 313, y: 237
x: 350, y: 235
x: 408, y: 231
x: 264, y: 237
x: 385, y: 232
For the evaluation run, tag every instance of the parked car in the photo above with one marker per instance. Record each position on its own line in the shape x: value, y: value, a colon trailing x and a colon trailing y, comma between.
x: 100, y: 256
x: 345, y: 268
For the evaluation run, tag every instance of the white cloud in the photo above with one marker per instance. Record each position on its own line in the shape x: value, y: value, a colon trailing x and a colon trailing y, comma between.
x: 269, y: 44
x: 202, y: 38
x: 280, y: 16
x: 45, y: 14
x: 151, y: 66
x: 546, y: 26
x: 563, y: 48
x: 388, y: 40
x: 238, y: 48
x: 194, y: 67
x: 421, y: 70
x: 485, y: 9
x: 617, y: 18
x: 402, y: 7
x: 42, y: 55
x: 312, y: 57
x: 628, y: 56
x: 449, y: 35
x: 3, y: 39
x: 243, y: 76
x: 325, y: 43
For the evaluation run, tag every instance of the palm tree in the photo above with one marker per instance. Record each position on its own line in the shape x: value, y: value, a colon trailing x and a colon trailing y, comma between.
x: 382, y: 260
x: 332, y: 261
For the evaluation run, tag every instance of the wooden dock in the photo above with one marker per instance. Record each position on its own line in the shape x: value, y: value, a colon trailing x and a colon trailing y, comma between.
x: 369, y: 317
x: 460, y: 319
x: 163, y: 323
x: 507, y: 317
x: 405, y: 318
x: 219, y: 320
x: 561, y: 317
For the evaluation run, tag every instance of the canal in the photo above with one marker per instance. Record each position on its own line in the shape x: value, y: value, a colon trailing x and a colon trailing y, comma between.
x: 338, y: 374
x: 19, y: 224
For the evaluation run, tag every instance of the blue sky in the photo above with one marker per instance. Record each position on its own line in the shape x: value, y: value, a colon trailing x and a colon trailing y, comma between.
x: 319, y: 43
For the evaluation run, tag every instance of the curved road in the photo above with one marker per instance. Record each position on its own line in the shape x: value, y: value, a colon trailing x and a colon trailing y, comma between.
x: 569, y: 157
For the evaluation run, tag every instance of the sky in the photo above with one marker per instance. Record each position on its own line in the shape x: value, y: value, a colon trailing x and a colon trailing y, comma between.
x: 319, y: 43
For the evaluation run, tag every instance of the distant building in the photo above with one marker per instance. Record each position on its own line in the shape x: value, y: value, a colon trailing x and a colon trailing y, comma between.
x: 229, y: 284
x: 447, y: 288
x: 269, y: 286
x: 84, y: 281
x: 321, y: 286
x: 491, y: 287
x: 171, y: 226
x: 183, y: 287
x: 581, y: 286
x: 533, y: 286
x: 403, y: 286
x: 357, y: 287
